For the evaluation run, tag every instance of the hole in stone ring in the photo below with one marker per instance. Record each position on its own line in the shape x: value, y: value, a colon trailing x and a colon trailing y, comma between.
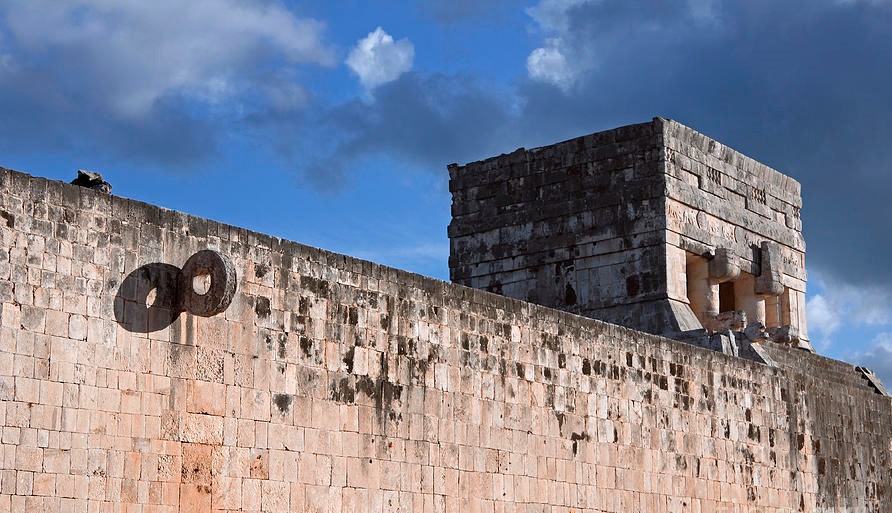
x: 207, y: 283
x: 151, y: 297
x: 201, y: 282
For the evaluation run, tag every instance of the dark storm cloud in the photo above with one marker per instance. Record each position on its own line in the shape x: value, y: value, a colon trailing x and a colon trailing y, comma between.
x: 39, y: 119
x: 802, y: 86
x: 418, y: 121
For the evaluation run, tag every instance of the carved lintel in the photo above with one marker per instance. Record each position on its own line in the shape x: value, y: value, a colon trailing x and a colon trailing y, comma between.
x: 724, y: 266
x: 697, y: 248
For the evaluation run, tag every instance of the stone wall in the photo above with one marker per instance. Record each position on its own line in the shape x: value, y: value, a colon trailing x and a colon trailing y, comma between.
x: 719, y: 198
x: 334, y: 384
x: 578, y: 225
x: 621, y: 226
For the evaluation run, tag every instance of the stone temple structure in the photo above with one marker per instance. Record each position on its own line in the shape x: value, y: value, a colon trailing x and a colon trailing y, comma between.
x: 651, y: 226
x: 156, y: 362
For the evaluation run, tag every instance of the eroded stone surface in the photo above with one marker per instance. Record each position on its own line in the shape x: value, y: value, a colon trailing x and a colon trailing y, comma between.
x: 220, y: 288
x: 652, y: 226
x: 334, y: 384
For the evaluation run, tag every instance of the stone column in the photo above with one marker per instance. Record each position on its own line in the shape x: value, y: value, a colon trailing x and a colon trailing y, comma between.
x: 745, y: 298
x: 773, y: 311
x: 703, y: 293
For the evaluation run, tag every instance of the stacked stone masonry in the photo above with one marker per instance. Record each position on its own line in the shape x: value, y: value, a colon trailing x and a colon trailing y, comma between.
x: 333, y: 384
x: 646, y: 226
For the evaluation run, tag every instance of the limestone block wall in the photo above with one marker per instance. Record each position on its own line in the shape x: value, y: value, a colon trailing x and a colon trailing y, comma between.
x: 614, y: 226
x: 720, y: 198
x: 334, y: 384
x: 578, y: 225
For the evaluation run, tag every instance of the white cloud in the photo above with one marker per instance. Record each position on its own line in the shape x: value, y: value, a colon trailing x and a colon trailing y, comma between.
x: 548, y: 64
x: 131, y: 53
x: 554, y: 15
x: 878, y: 358
x: 377, y: 59
x: 823, y: 320
x: 842, y: 304
x: 580, y: 34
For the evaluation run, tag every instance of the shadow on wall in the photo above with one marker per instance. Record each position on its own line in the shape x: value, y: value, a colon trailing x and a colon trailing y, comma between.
x: 152, y: 297
x: 147, y: 299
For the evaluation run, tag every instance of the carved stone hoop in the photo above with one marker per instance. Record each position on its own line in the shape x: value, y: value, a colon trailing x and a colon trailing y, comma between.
x: 222, y: 283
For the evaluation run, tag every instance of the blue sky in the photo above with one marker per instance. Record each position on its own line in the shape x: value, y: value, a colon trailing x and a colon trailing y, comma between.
x: 330, y: 123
